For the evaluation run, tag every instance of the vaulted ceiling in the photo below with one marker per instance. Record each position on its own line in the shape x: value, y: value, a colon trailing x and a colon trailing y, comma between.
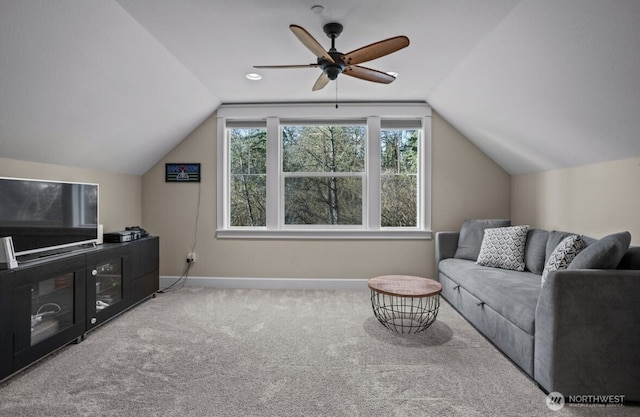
x: 114, y: 85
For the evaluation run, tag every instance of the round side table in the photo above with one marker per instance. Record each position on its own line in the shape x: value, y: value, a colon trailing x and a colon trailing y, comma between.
x: 404, y: 303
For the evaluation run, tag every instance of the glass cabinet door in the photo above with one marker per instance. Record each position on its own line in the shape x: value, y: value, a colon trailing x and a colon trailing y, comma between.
x: 48, y: 307
x: 52, y: 307
x: 108, y: 284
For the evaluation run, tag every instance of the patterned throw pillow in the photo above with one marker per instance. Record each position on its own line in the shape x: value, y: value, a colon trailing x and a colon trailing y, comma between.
x: 503, y: 247
x: 563, y: 254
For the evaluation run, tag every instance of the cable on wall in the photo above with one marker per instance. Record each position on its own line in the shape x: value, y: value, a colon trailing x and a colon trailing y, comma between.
x: 195, y: 232
x: 185, y: 273
x: 181, y: 280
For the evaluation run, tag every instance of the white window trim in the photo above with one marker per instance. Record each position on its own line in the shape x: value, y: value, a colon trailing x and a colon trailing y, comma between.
x: 374, y: 113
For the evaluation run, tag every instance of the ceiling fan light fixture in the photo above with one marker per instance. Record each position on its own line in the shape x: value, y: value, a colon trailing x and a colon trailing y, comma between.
x: 332, y: 62
x: 333, y: 71
x: 253, y: 76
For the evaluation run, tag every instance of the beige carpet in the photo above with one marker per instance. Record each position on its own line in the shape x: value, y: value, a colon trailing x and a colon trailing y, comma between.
x: 208, y: 352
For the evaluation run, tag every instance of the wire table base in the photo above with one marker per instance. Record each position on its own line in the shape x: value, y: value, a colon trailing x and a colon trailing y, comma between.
x: 404, y: 303
x: 405, y: 314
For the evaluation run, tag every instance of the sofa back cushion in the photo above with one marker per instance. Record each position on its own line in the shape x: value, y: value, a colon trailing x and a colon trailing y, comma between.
x: 631, y: 259
x: 605, y: 253
x: 471, y: 235
x: 535, y: 250
x: 555, y: 237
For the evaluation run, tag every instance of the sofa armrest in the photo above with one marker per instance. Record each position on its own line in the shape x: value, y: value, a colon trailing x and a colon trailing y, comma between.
x: 587, y: 335
x: 446, y: 245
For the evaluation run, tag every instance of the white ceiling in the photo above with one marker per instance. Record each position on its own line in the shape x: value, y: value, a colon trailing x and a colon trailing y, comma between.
x: 114, y: 85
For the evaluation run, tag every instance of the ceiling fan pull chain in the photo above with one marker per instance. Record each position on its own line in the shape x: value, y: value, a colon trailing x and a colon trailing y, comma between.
x: 336, y: 93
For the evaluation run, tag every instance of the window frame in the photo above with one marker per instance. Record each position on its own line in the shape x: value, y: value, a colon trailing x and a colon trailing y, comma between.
x: 362, y: 175
x: 273, y: 116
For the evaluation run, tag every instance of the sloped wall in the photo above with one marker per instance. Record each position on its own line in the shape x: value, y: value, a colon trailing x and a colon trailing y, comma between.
x: 465, y: 184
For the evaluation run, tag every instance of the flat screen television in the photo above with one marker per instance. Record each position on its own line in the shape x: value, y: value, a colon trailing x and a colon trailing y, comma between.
x: 42, y: 215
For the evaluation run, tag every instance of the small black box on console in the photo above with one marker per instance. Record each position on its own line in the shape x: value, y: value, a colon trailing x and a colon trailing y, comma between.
x: 118, y: 237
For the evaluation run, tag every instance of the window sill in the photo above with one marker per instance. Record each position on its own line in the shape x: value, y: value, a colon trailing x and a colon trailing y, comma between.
x: 325, y: 234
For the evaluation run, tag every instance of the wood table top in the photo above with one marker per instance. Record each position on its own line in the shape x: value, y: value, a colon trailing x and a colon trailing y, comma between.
x: 405, y: 286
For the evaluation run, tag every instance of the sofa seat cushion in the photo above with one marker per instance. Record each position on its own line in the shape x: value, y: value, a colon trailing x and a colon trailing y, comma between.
x: 512, y: 294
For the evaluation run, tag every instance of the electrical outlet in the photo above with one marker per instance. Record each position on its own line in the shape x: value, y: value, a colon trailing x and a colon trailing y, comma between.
x: 191, y: 257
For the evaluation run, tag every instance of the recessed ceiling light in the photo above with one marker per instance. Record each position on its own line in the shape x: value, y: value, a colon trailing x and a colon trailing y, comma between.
x: 393, y: 74
x: 317, y: 9
x: 253, y: 76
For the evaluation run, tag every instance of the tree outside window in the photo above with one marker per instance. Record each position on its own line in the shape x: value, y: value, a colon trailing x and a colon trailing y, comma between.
x: 399, y: 177
x: 323, y: 167
x: 248, y: 166
x: 304, y: 171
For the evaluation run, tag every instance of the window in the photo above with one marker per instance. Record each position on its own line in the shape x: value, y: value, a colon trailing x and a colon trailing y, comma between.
x: 323, y: 168
x: 248, y: 175
x: 312, y: 173
x: 399, y: 177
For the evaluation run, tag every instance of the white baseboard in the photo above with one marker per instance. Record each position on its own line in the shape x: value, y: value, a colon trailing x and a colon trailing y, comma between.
x: 270, y: 283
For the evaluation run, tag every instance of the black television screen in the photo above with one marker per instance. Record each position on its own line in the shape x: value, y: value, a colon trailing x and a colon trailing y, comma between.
x: 42, y: 215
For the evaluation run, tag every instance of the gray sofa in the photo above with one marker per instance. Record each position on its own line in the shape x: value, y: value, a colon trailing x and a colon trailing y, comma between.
x: 578, y: 334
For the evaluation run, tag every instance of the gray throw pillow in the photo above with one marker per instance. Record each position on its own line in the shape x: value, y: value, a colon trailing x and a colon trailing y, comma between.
x: 563, y: 254
x: 503, y: 247
x: 535, y: 250
x: 471, y: 235
x: 605, y: 253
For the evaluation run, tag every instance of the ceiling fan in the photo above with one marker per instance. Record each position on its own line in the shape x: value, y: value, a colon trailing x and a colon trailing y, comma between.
x: 334, y: 63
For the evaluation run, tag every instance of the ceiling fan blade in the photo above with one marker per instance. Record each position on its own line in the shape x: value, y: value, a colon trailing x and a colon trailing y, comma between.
x: 375, y: 50
x: 287, y: 66
x: 368, y: 74
x: 322, y: 80
x: 310, y: 42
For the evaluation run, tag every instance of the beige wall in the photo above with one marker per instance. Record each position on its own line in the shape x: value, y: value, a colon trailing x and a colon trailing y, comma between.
x: 120, y: 195
x: 594, y: 200
x: 465, y: 184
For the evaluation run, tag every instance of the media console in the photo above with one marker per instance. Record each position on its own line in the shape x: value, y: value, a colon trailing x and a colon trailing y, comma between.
x: 50, y: 302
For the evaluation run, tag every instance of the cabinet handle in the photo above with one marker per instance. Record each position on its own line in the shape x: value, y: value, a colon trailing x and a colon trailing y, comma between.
x: 94, y: 272
x: 94, y: 320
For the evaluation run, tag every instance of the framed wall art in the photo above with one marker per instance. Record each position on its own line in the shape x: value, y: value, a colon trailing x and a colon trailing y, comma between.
x: 182, y: 172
